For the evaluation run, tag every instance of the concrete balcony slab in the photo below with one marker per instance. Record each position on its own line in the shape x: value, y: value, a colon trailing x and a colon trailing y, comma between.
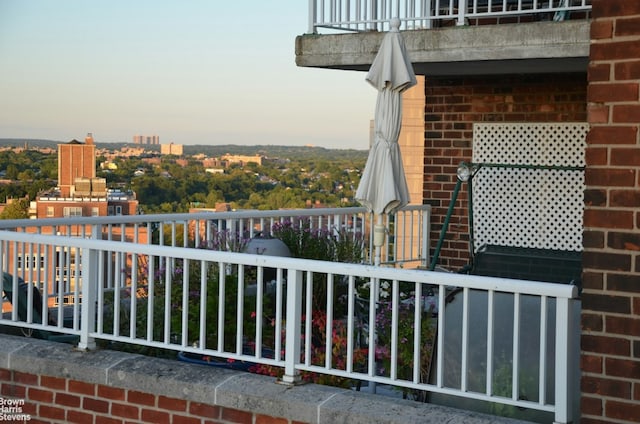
x: 537, y: 47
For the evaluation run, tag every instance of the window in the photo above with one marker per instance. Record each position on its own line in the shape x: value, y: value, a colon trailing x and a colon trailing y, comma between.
x: 95, y: 211
x: 30, y: 261
x: 70, y: 211
x: 118, y: 210
x: 50, y: 211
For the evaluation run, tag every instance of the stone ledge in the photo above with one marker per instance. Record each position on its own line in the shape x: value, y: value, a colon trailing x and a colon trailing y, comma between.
x: 231, y: 389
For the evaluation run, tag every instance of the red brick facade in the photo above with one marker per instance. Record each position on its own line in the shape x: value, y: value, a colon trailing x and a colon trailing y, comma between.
x: 611, y: 299
x: 64, y: 400
x: 453, y: 105
x: 75, y: 160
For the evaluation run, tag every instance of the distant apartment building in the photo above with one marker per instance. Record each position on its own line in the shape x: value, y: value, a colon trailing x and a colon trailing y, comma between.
x: 171, y: 149
x: 213, y: 163
x: 146, y: 139
x: 243, y: 160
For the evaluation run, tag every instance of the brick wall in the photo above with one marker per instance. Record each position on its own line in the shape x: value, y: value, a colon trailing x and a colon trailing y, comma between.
x: 64, y: 400
x: 611, y: 299
x: 75, y: 160
x: 55, y: 383
x: 454, y: 104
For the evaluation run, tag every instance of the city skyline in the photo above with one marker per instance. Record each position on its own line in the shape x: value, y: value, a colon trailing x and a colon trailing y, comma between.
x: 195, y: 72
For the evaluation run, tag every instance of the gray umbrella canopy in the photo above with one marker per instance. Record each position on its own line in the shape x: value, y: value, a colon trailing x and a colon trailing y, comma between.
x: 383, y: 186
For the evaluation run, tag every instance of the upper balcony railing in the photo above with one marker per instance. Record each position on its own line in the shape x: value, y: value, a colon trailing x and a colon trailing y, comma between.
x: 406, y: 242
x: 375, y: 15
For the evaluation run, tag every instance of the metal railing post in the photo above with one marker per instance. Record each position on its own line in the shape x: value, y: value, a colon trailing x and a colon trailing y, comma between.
x: 426, y: 227
x: 373, y: 9
x: 462, y: 12
x: 312, y: 17
x: 564, y: 375
x: 90, y: 280
x: 293, y: 327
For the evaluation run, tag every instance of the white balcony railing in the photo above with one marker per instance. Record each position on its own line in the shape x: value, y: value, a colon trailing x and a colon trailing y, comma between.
x: 428, y: 334
x: 374, y: 15
x: 406, y: 241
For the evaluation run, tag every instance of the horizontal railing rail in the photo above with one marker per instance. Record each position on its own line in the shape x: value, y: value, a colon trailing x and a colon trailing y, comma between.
x: 375, y: 15
x: 506, y: 342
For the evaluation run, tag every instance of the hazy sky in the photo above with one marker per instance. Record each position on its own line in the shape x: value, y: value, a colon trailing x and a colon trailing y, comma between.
x: 190, y: 71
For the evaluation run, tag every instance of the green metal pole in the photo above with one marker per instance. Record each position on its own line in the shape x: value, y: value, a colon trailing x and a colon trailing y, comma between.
x: 445, y: 225
x: 470, y: 221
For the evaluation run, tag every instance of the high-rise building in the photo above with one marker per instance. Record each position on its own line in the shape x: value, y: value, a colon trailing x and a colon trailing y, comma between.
x: 79, y: 191
x: 76, y: 160
x: 146, y: 139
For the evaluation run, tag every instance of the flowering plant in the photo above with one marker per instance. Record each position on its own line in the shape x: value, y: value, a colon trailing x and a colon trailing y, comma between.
x: 325, y: 244
x: 406, y: 335
x: 319, y: 353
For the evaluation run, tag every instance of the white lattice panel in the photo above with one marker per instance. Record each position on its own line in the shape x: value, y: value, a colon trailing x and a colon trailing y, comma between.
x: 529, y: 207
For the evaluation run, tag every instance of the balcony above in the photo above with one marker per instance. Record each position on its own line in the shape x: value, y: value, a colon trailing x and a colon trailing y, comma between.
x: 453, y: 44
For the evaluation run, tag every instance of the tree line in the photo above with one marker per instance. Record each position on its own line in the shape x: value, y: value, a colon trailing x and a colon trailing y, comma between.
x: 317, y: 176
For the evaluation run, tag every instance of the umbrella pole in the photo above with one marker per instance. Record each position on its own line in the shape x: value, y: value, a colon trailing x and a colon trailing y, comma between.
x: 379, y: 231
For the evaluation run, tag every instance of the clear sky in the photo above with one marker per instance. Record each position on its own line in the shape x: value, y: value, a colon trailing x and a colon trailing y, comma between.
x: 189, y: 71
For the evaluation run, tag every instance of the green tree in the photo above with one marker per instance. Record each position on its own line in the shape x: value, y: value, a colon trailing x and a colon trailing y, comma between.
x: 12, y: 172
x: 18, y: 209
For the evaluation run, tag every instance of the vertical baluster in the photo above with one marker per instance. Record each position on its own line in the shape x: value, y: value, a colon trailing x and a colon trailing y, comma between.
x: 168, y: 273
x: 47, y: 252
x: 542, y: 378
x: 185, y: 303
x: 440, y: 349
x: 464, y: 365
x: 65, y: 268
x: 240, y: 311
x: 373, y: 300
x: 350, y: 327
x: 151, y: 284
x: 221, y: 296
x: 202, y: 336
x: 515, y: 385
x: 329, y: 323
x: 134, y: 291
x: 116, y: 299
x: 309, y: 317
x: 417, y: 333
x: 490, y: 341
x: 278, y: 331
x: 28, y: 264
x: 259, y: 310
x: 77, y: 279
x: 395, y: 305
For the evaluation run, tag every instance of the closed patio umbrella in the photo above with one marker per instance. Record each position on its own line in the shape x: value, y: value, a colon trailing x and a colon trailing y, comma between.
x: 383, y: 186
